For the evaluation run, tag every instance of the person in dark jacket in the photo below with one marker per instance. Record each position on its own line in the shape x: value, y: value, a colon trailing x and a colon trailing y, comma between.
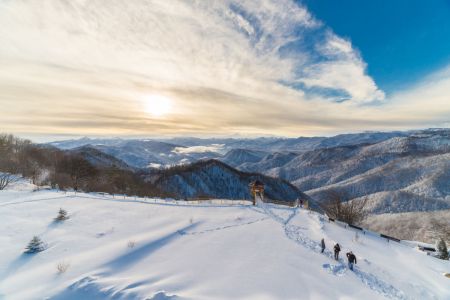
x: 337, y: 249
x: 351, y: 260
x: 322, y: 244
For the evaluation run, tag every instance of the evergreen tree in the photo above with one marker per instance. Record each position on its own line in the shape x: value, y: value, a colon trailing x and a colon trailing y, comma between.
x: 442, y: 250
x: 35, y: 245
x: 62, y: 215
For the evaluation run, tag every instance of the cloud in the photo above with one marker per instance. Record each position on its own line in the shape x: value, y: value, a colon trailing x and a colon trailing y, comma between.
x: 247, y: 67
x: 343, y: 69
x: 429, y: 100
x: 198, y: 149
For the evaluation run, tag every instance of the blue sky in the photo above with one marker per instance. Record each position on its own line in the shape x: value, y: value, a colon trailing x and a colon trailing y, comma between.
x: 401, y: 40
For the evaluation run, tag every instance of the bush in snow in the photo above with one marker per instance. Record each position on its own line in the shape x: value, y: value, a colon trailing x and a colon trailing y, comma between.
x: 62, y: 267
x: 131, y: 244
x: 62, y: 215
x: 442, y: 250
x: 35, y: 245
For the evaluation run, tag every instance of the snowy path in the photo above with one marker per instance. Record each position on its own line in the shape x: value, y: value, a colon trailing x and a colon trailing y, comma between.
x: 184, y: 232
x: 294, y: 232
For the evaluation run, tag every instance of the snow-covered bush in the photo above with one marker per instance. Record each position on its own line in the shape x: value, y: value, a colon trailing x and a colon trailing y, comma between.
x: 35, y: 245
x: 442, y: 250
x: 62, y: 267
x: 62, y: 215
x: 131, y: 244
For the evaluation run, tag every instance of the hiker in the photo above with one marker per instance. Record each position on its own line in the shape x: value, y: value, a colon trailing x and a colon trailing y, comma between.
x: 301, y: 203
x: 351, y: 260
x: 337, y: 248
x: 322, y: 244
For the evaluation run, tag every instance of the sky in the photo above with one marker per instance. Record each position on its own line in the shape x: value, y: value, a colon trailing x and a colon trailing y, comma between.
x: 222, y: 68
x: 401, y: 41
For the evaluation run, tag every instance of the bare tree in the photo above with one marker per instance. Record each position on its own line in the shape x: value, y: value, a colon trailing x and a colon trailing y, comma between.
x: 7, y: 173
x: 78, y: 169
x: 440, y: 229
x: 337, y: 207
x: 6, y: 179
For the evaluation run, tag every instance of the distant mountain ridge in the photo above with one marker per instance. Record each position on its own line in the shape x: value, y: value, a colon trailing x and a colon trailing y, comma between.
x: 397, y: 175
x: 144, y: 153
x: 241, y: 156
x: 396, y: 171
x: 139, y: 153
x: 100, y: 159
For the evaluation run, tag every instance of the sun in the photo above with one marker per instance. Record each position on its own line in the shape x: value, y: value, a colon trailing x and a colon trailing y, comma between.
x: 157, y: 105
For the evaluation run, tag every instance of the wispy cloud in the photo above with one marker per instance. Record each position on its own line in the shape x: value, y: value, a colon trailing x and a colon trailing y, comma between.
x: 248, y: 67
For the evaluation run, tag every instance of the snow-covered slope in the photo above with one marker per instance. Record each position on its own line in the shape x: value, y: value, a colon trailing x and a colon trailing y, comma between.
x: 402, y: 185
x: 398, y: 174
x: 237, y: 157
x: 134, y: 249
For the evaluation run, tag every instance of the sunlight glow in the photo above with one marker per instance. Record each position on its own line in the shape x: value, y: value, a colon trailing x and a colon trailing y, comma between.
x: 157, y: 105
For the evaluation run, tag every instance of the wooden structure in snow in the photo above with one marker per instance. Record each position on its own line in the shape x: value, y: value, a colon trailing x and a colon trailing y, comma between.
x: 256, y: 189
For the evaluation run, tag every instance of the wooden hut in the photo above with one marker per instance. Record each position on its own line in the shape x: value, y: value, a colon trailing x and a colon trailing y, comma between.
x: 256, y: 189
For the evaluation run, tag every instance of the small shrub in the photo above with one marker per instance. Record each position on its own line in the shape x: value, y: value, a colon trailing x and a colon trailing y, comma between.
x: 191, y: 220
x: 35, y: 245
x: 62, y: 215
x: 62, y: 267
x: 131, y: 244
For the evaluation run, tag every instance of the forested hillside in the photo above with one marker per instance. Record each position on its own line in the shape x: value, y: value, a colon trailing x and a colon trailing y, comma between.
x: 215, y: 179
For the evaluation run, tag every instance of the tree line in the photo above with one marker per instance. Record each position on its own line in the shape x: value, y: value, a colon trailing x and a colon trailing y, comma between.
x: 66, y: 170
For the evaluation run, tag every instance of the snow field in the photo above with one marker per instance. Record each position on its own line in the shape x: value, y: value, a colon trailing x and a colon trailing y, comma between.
x: 126, y: 249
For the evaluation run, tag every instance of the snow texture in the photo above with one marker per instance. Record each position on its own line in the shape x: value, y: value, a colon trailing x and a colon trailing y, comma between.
x: 197, y: 251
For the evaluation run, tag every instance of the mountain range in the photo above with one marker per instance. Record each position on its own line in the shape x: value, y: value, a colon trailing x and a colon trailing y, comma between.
x: 396, y: 171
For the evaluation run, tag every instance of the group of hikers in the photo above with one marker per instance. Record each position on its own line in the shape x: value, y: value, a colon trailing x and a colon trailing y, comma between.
x: 337, y: 248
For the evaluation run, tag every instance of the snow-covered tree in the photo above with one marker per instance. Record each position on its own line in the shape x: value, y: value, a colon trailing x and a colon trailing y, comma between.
x: 62, y: 215
x: 35, y: 245
x: 442, y: 250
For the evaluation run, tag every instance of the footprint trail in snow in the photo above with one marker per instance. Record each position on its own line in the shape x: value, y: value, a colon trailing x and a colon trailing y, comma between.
x: 295, y: 233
